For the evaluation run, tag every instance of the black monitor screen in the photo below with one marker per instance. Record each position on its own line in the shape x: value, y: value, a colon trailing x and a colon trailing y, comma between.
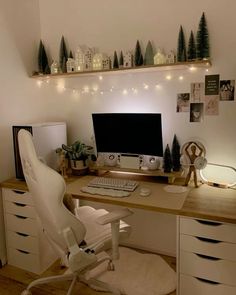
x: 128, y: 133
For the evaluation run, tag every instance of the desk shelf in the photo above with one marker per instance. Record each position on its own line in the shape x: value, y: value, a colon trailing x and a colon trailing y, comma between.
x: 159, y: 173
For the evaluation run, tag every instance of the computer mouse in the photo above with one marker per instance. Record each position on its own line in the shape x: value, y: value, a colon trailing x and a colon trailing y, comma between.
x: 145, y: 191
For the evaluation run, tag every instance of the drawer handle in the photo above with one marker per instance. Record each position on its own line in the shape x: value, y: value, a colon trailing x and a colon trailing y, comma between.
x: 206, y: 222
x: 21, y: 217
x: 22, y: 251
x: 21, y: 234
x: 19, y: 204
x: 18, y: 192
x: 208, y: 240
x: 207, y: 257
x: 208, y: 281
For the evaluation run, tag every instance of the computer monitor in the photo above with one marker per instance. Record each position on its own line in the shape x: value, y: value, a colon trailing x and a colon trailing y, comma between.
x: 128, y: 133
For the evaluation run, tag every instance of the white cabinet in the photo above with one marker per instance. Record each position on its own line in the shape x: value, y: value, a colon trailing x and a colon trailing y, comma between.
x: 207, y: 257
x: 27, y: 246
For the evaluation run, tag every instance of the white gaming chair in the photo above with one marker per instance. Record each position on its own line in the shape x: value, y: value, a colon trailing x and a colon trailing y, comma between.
x: 97, y: 230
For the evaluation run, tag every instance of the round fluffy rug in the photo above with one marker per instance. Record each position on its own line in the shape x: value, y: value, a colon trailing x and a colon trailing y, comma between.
x: 138, y: 274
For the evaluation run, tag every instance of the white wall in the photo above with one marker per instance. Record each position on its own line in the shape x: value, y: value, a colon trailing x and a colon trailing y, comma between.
x: 110, y: 26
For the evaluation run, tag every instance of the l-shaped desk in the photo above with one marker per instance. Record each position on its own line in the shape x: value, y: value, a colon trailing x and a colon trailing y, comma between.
x: 206, y: 229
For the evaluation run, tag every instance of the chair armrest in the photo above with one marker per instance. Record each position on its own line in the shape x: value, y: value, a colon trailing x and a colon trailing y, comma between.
x: 114, y: 216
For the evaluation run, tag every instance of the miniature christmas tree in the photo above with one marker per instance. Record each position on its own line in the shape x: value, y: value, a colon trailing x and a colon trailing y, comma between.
x: 181, y: 51
x: 42, y: 60
x: 167, y: 165
x: 115, y: 61
x: 138, y: 57
x: 71, y: 54
x: 175, y: 151
x: 63, y: 53
x: 149, y: 56
x: 121, y: 59
x: 191, y: 47
x: 202, y: 39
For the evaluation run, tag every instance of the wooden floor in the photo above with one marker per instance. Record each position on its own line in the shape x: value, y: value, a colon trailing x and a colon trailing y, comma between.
x: 14, y: 280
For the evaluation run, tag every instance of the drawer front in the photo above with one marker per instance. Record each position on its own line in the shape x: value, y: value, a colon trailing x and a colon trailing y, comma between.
x: 208, y: 229
x: 18, y: 196
x: 22, y: 241
x: 213, y: 269
x: 21, y: 224
x: 194, y: 286
x: 208, y: 247
x: 19, y: 209
x: 24, y: 260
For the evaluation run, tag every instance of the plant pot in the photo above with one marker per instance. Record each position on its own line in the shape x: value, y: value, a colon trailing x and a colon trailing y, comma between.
x: 79, y: 167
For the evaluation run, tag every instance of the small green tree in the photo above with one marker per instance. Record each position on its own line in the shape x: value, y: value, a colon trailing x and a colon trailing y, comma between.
x: 175, y: 151
x: 43, y: 66
x: 121, y: 59
x: 203, y: 49
x: 181, y: 51
x: 167, y: 164
x: 62, y: 53
x: 71, y: 54
x: 138, y: 57
x: 149, y: 55
x: 191, y: 47
x: 115, y: 61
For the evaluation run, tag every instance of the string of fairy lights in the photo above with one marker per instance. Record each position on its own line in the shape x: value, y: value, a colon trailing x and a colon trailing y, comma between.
x: 97, y: 87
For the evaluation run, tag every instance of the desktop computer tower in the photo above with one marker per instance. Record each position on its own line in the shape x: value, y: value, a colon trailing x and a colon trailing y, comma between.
x: 47, y: 137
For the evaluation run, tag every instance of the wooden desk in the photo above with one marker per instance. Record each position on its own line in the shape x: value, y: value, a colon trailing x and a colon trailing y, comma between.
x: 159, y: 200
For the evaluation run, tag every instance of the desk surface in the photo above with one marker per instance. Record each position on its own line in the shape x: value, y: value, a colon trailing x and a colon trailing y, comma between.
x: 203, y: 202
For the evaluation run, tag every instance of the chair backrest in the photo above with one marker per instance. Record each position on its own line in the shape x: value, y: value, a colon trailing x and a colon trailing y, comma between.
x: 47, y: 188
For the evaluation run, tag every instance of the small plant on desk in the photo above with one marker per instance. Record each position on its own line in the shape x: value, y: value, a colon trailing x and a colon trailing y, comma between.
x: 79, y: 155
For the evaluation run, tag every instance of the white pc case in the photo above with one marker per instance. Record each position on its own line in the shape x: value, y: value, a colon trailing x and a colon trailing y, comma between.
x: 47, y: 137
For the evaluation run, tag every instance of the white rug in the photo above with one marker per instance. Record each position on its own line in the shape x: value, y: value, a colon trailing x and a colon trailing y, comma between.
x: 138, y: 274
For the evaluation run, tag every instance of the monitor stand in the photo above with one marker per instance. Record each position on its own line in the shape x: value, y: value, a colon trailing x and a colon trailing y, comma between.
x: 130, y: 161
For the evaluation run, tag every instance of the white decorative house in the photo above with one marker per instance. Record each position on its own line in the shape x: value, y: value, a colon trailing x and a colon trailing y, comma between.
x: 128, y: 59
x: 70, y: 65
x: 101, y: 62
x: 79, y: 60
x: 55, y: 69
x: 170, y: 57
x: 159, y: 57
x: 88, y: 59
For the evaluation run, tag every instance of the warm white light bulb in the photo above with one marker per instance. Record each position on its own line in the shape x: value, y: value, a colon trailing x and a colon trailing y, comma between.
x: 145, y: 86
x: 181, y: 77
x: 100, y: 78
x: 39, y: 83
x: 168, y: 77
x: 125, y: 91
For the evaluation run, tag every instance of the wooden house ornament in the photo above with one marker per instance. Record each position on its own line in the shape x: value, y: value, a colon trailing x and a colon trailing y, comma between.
x: 79, y: 60
x: 170, y: 57
x: 55, y: 69
x: 159, y: 57
x: 128, y: 59
x: 70, y: 65
x: 101, y: 62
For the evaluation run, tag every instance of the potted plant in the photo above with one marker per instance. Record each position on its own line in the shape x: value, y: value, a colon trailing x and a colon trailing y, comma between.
x: 79, y: 154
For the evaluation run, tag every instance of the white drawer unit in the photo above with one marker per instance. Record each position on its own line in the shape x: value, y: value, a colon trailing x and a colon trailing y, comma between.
x: 207, y: 257
x: 27, y: 246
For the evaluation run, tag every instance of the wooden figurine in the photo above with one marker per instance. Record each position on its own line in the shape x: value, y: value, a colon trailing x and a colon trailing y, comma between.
x: 62, y: 163
x: 192, y: 155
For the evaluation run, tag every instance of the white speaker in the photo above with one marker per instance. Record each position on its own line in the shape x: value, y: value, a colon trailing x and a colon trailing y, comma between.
x: 110, y: 159
x: 151, y: 162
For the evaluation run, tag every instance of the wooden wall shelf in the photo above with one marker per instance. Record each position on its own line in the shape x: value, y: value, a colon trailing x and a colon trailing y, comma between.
x: 162, y: 67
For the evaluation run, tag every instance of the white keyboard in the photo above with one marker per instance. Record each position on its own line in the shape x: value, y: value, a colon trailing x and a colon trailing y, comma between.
x: 104, y: 192
x: 113, y: 183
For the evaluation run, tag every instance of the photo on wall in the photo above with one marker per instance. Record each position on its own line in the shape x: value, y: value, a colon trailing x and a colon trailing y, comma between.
x: 212, y: 84
x: 197, y: 93
x: 196, y: 112
x: 227, y: 88
x: 212, y: 105
x: 182, y: 102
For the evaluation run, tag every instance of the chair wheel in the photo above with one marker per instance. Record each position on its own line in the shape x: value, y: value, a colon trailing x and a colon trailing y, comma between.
x: 26, y: 292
